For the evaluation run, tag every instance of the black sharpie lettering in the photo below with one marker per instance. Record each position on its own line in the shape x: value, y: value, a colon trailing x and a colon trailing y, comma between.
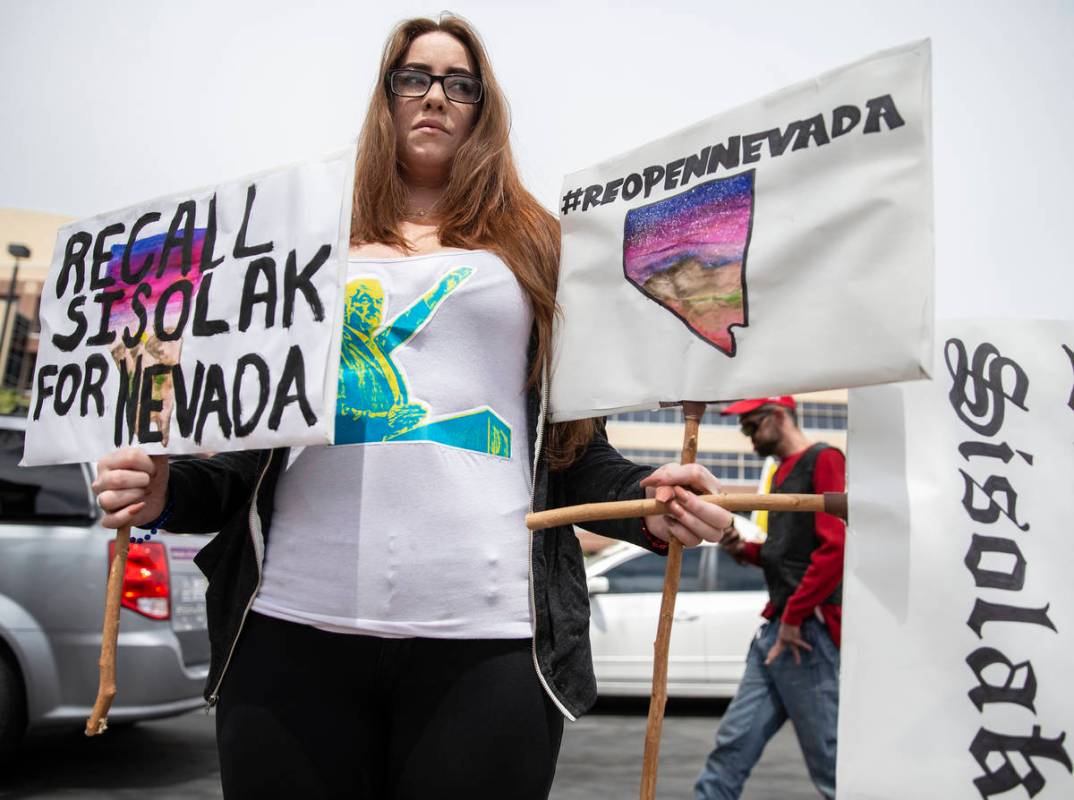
x: 202, y: 325
x: 208, y: 244
x: 751, y: 146
x: 652, y: 176
x: 246, y: 427
x: 45, y: 388
x: 74, y: 258
x: 1021, y: 693
x: 102, y: 254
x: 592, y: 196
x: 813, y: 130
x: 631, y: 186
x: 980, y: 390
x: 695, y: 166
x: 213, y: 401
x: 104, y: 333
x: 184, y: 220
x: 984, y: 611
x: 93, y: 384
x: 294, y: 372
x: 994, y: 485
x: 129, y: 275
x: 184, y: 290
x: 243, y: 250
x: 1001, y: 451
x: 611, y: 191
x: 186, y: 400
x: 67, y: 388
x: 845, y: 119
x: 725, y: 155
x: 67, y: 343
x: 127, y: 401
x: 999, y: 779
x: 779, y: 141
x: 148, y: 404
x: 1012, y: 580
x: 1070, y: 355
x: 882, y: 109
x: 132, y: 338
x: 295, y: 281
x: 260, y: 267
x: 672, y: 172
x: 880, y: 114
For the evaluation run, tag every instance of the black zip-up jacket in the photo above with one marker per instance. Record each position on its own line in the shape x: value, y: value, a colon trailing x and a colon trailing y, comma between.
x: 220, y: 494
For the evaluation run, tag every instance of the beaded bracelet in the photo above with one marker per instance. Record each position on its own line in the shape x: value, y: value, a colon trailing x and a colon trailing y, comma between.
x: 154, y: 526
x: 657, y: 544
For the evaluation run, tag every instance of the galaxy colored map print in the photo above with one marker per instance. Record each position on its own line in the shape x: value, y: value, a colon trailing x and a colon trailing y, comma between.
x: 688, y: 253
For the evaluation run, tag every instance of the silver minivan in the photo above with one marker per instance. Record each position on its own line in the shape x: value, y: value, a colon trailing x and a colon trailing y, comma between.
x: 54, y: 559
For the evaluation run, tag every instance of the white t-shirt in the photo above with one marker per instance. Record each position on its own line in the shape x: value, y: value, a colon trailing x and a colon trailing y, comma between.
x: 413, y: 524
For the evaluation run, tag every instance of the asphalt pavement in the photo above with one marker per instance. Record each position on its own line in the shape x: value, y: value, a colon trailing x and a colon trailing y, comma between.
x: 602, y: 753
x: 175, y: 759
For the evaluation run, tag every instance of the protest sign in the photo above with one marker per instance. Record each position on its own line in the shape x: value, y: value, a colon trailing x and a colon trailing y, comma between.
x: 783, y: 246
x: 203, y: 321
x: 959, y: 604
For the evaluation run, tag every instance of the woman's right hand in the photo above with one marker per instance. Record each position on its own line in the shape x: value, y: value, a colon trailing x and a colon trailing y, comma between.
x: 131, y: 487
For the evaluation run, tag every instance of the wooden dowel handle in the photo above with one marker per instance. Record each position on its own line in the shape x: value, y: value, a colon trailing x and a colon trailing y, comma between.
x: 106, y: 688
x: 831, y: 503
x: 692, y: 413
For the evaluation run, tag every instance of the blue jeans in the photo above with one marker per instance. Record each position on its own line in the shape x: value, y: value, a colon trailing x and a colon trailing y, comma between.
x: 808, y: 694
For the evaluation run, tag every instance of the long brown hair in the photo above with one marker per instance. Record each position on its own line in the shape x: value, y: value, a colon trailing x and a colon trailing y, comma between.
x: 484, y: 204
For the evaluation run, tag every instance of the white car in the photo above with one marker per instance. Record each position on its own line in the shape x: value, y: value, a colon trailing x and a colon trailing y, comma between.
x: 717, y: 612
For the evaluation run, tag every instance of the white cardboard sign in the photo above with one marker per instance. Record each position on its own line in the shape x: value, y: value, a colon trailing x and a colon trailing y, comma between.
x: 959, y: 603
x: 783, y: 246
x: 203, y: 321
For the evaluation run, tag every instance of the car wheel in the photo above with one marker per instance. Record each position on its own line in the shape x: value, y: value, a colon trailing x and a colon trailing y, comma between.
x: 12, y: 710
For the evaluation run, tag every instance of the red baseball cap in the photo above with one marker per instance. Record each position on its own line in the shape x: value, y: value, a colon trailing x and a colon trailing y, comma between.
x: 746, y: 406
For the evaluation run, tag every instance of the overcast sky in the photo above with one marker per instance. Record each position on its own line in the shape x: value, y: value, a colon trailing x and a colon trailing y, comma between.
x: 110, y: 102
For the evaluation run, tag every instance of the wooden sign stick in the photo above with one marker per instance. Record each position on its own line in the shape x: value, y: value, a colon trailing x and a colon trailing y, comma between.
x: 106, y: 688
x: 692, y: 412
x: 829, y: 503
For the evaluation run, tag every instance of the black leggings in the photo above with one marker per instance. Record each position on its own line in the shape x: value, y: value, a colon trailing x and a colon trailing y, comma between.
x: 309, y: 714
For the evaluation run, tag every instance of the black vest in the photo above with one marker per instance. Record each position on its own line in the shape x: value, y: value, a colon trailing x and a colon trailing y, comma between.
x: 792, y: 537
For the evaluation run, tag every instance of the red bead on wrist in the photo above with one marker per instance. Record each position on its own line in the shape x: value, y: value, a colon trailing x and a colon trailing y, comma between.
x: 655, y: 543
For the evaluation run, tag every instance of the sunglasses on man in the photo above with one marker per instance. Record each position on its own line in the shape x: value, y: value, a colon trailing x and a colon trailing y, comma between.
x: 750, y: 426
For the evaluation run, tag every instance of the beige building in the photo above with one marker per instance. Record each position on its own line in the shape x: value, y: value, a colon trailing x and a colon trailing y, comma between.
x: 655, y: 437
x: 19, y: 303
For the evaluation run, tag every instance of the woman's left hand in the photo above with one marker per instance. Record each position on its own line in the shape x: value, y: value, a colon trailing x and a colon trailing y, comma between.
x: 688, y: 519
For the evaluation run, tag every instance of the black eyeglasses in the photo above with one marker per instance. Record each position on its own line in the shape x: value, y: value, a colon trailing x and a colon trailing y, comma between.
x: 750, y: 426
x: 416, y: 83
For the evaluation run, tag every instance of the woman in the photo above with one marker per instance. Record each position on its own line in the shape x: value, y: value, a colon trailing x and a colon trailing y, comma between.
x: 402, y: 634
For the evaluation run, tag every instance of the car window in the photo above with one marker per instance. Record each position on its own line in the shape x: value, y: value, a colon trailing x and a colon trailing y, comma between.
x: 646, y: 573
x: 734, y: 577
x: 28, y: 493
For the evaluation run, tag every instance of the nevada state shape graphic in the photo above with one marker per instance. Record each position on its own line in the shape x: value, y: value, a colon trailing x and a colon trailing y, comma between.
x: 688, y: 254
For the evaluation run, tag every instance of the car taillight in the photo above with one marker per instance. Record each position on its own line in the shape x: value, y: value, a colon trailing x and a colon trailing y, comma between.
x: 145, y: 583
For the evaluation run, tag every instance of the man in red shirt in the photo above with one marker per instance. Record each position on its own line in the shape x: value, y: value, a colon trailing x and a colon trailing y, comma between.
x: 792, y: 669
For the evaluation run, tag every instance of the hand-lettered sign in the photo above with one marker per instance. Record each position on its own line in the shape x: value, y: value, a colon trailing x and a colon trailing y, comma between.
x: 204, y: 321
x: 783, y: 246
x: 958, y: 619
